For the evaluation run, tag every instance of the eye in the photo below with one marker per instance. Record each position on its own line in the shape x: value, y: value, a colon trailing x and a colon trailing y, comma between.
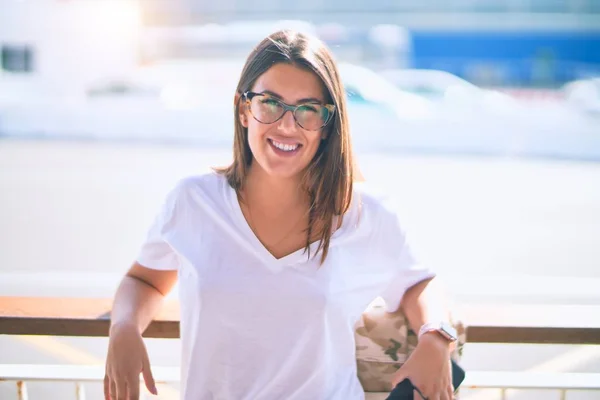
x: 269, y: 101
x: 309, y: 108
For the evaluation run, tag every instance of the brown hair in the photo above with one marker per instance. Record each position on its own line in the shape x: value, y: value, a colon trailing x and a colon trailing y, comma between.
x: 328, y: 178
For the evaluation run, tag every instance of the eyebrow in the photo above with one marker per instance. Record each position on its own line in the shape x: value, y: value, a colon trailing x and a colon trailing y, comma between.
x: 305, y: 100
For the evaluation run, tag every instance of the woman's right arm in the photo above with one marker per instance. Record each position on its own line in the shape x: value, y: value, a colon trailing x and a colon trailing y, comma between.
x: 137, y: 301
x: 140, y: 296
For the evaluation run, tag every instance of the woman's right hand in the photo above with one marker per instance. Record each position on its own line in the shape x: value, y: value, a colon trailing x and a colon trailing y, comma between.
x: 127, y: 357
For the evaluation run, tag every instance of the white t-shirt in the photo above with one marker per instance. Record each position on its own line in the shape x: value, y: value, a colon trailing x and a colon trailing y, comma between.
x: 259, y: 328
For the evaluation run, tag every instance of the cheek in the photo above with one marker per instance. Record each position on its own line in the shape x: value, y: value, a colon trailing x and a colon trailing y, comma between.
x: 314, y: 141
x: 314, y: 145
x: 256, y: 134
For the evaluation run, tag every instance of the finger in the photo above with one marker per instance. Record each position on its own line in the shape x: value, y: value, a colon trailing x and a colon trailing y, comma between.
x: 148, y: 377
x: 106, y: 387
x: 121, y: 390
x: 113, y: 390
x: 450, y: 392
x: 133, y: 389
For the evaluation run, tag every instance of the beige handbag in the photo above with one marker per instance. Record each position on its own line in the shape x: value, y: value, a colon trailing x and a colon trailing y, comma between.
x: 384, y: 342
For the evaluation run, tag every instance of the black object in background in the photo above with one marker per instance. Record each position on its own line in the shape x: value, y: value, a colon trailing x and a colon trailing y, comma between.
x: 404, y: 390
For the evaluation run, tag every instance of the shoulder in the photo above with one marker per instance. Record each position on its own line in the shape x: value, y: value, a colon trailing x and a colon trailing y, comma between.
x: 209, y: 186
x: 193, y: 197
x: 375, y: 202
x: 378, y: 213
x: 382, y: 216
x: 209, y: 182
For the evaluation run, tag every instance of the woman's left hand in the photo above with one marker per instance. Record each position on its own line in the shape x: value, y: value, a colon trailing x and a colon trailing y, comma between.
x: 428, y: 369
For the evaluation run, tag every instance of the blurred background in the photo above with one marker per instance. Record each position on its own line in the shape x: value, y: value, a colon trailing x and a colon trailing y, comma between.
x: 481, y: 116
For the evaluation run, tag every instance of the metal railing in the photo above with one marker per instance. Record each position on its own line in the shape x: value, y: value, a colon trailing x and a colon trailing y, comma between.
x: 78, y: 374
x: 502, y: 381
x: 508, y: 324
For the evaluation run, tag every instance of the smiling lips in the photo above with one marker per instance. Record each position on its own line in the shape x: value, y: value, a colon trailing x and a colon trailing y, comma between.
x: 284, y: 147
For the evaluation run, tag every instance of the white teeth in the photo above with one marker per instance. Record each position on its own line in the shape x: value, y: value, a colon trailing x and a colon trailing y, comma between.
x: 284, y: 147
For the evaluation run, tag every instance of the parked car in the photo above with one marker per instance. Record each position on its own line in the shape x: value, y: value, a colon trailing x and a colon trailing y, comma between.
x: 450, y: 90
x: 583, y: 95
x: 383, y: 116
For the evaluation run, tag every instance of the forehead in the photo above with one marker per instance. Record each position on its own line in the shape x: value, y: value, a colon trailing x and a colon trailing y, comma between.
x: 290, y: 82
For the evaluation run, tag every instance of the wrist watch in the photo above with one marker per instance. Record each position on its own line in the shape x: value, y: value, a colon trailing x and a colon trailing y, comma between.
x: 445, y: 329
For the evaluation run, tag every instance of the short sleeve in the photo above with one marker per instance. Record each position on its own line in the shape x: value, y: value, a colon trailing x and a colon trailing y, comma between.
x: 396, y: 250
x: 156, y: 252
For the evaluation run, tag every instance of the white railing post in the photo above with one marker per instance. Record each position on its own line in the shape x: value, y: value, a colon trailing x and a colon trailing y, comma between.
x: 79, y: 391
x: 563, y: 394
x: 22, y: 391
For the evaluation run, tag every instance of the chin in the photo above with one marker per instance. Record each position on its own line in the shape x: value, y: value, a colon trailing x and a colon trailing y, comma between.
x: 283, y: 169
x: 284, y: 173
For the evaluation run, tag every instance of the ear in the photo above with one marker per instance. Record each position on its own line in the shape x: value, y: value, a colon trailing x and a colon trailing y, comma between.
x: 242, y: 114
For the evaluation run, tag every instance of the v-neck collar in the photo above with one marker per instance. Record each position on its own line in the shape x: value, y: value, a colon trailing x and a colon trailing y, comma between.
x: 274, y: 263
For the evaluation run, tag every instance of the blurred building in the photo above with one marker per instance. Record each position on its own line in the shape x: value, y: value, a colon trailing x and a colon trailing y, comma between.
x: 490, y: 42
x: 493, y: 42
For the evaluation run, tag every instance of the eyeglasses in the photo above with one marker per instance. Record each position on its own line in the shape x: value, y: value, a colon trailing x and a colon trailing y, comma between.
x: 268, y: 110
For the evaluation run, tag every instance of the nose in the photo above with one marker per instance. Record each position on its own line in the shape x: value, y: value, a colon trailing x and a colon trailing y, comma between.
x: 287, y: 123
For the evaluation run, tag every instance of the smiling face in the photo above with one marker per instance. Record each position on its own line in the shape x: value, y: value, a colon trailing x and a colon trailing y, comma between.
x: 294, y: 67
x: 284, y: 148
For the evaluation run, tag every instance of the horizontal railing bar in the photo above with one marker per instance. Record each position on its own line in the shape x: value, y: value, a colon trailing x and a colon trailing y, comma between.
x: 528, y: 335
x: 170, y: 330
x: 532, y: 380
x: 78, y: 327
x: 73, y: 373
x: 474, y: 379
x: 530, y: 324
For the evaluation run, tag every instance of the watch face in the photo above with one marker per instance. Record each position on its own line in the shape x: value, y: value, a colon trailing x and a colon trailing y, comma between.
x: 448, y: 331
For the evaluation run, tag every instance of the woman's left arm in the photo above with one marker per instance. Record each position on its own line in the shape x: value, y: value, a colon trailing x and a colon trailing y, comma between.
x: 428, y: 368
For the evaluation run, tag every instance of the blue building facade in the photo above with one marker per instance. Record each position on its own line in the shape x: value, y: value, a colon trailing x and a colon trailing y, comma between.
x: 516, y: 57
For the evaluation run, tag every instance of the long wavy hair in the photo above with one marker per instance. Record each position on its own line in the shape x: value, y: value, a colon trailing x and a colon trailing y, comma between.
x: 329, y: 177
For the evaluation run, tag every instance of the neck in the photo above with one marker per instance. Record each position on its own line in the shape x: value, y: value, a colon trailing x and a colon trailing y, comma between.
x: 273, y: 193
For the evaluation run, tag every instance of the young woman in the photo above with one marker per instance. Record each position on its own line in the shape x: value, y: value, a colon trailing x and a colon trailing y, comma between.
x: 278, y: 254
